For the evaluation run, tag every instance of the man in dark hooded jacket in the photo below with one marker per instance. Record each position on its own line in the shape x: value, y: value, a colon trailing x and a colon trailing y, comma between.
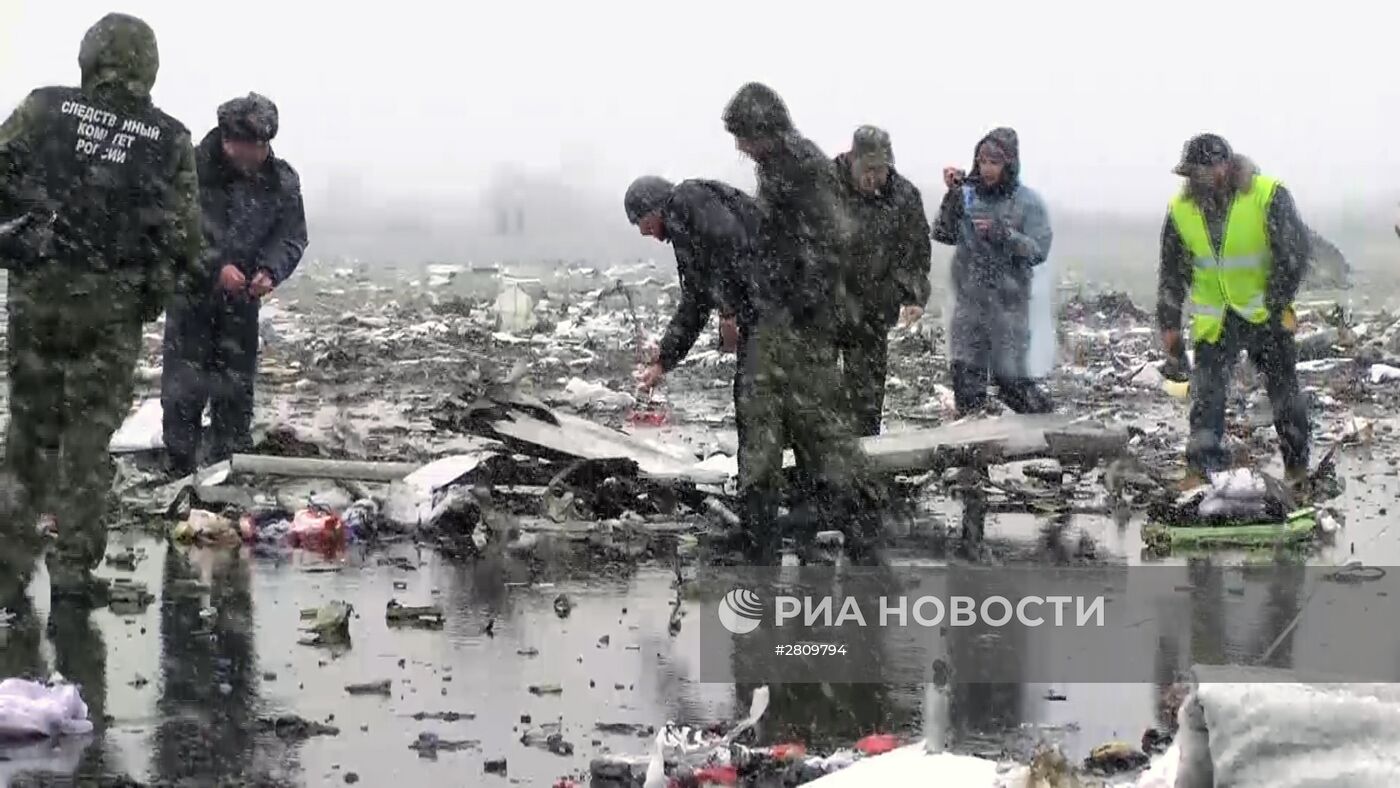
x: 890, y: 255
x: 1002, y: 231
x: 255, y: 234
x: 713, y: 228
x: 790, y: 387
x: 103, y: 184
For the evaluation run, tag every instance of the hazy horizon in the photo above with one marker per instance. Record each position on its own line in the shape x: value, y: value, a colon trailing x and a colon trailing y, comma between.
x: 401, y: 122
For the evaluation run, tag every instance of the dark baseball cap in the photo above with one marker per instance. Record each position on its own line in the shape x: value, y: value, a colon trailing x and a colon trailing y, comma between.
x: 1203, y: 150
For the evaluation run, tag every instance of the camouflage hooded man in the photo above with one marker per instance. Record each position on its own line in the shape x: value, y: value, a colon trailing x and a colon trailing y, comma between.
x: 255, y: 235
x: 890, y: 254
x: 712, y: 227
x: 1233, y: 239
x: 1002, y: 231
x: 789, y: 386
x: 105, y: 185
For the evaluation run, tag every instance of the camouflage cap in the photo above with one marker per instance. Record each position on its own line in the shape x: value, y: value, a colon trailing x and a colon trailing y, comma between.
x: 252, y: 118
x: 872, y: 144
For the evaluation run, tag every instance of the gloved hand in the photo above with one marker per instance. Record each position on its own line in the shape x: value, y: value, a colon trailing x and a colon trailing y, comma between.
x: 1288, y: 320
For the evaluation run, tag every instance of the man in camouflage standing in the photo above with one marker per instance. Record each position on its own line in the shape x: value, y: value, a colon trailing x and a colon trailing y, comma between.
x: 790, y: 387
x: 102, y: 186
x: 890, y: 256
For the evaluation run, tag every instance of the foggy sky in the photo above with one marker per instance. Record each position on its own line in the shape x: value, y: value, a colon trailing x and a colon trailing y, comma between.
x: 422, y: 97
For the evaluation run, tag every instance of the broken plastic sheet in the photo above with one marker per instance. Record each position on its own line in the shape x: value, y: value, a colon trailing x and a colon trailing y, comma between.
x: 1253, y: 727
x: 30, y: 710
x: 514, y: 310
x: 411, y: 500
x: 142, y: 430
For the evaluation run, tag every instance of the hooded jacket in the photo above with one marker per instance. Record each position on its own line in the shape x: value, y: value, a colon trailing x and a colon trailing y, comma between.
x: 256, y: 222
x: 1021, y: 234
x: 890, y: 252
x: 713, y: 228
x: 1288, y: 243
x: 798, y: 276
x: 108, y: 180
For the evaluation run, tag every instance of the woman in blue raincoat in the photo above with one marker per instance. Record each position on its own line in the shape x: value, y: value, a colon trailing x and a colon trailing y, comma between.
x: 1002, y: 232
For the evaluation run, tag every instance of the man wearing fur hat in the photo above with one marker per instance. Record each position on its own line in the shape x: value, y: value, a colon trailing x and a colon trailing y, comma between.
x: 1234, y: 240
x: 255, y: 235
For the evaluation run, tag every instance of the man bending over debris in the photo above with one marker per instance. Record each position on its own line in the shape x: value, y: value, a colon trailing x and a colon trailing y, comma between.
x: 1235, y: 237
x: 712, y: 227
x: 790, y: 388
x: 255, y: 231
x: 1001, y: 230
x: 888, y: 275
x: 106, y: 183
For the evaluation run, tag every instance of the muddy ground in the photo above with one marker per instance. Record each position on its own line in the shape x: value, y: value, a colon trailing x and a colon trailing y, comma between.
x: 356, y: 363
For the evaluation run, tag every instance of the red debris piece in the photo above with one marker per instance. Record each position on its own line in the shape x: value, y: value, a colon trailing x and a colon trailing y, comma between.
x: 650, y: 416
x: 717, y: 775
x: 786, y: 752
x: 877, y: 744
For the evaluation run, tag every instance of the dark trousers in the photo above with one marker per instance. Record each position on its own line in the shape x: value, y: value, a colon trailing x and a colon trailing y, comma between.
x: 1023, y: 395
x: 864, y: 365
x: 788, y: 394
x: 1273, y: 352
x: 211, y: 357
x: 70, y: 389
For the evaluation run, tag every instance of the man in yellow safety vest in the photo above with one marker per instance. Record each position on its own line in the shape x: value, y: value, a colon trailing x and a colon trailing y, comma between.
x: 1233, y: 237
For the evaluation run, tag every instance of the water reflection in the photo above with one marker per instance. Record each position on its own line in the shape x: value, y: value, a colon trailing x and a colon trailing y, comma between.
x: 208, y: 664
x: 836, y: 713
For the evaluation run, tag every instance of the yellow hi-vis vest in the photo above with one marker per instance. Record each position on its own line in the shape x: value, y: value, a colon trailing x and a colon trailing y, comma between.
x: 1236, y: 278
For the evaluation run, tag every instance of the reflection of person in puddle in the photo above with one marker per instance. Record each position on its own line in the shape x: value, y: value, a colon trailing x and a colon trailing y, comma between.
x: 830, y: 713
x: 210, y: 672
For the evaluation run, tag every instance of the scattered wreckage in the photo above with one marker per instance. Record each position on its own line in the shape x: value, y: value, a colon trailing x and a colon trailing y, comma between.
x: 536, y: 448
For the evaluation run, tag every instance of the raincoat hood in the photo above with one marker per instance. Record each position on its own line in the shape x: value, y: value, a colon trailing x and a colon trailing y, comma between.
x: 119, y: 52
x: 757, y: 111
x: 1005, y: 139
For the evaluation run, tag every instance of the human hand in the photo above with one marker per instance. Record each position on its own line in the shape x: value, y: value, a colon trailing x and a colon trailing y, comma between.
x: 232, y: 280
x: 953, y: 177
x: 261, y: 285
x: 650, y: 376
x: 728, y: 334
x: 909, y: 315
